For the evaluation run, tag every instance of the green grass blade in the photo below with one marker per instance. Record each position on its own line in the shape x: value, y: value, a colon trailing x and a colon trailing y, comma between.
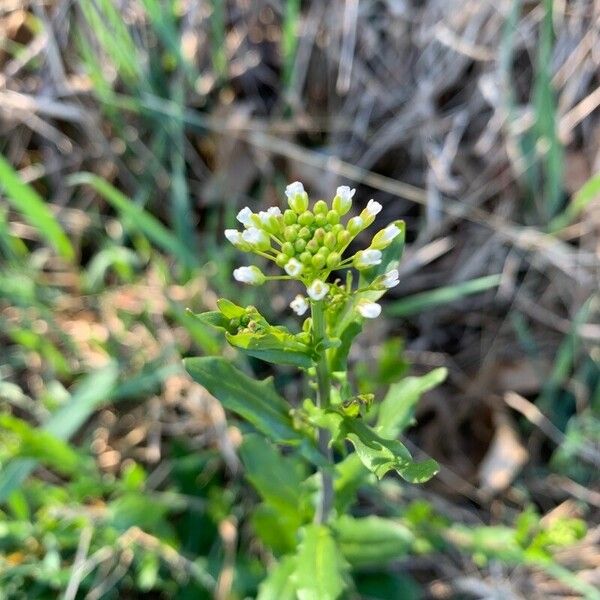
x: 137, y: 218
x: 426, y: 300
x: 34, y: 209
x: 590, y: 191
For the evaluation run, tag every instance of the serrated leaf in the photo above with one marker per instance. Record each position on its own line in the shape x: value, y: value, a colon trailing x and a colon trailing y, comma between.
x: 321, y: 571
x: 255, y: 401
x: 371, y: 540
x: 279, y: 584
x: 397, y: 408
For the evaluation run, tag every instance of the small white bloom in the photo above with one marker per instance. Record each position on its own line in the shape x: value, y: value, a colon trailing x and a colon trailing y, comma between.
x: 251, y: 275
x: 293, y: 267
x: 345, y: 193
x: 367, y: 258
x: 390, y: 279
x: 368, y: 309
x: 234, y: 236
x: 299, y: 305
x: 390, y: 233
x: 317, y: 290
x: 255, y: 236
x: 294, y: 189
x: 274, y: 211
x: 245, y: 217
x: 373, y: 208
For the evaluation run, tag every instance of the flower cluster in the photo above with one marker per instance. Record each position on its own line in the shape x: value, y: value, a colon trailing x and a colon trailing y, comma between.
x: 309, y: 243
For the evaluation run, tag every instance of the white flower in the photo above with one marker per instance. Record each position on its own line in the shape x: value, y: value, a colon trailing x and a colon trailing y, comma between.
x: 293, y: 267
x: 373, y: 208
x: 255, y: 236
x: 251, y: 275
x: 294, y: 189
x: 274, y: 211
x: 367, y: 258
x: 345, y: 193
x: 368, y: 309
x: 265, y: 216
x: 245, y: 217
x: 299, y: 305
x: 390, y: 279
x: 317, y: 290
x: 234, y: 236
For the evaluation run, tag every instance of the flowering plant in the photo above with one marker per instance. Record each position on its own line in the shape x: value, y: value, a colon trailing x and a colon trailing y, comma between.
x: 303, y: 514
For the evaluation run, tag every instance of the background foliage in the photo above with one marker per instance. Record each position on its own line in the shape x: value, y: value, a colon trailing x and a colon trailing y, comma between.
x: 133, y: 131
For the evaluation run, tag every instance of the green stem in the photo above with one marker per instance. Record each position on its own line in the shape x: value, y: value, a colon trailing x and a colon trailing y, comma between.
x: 324, y: 400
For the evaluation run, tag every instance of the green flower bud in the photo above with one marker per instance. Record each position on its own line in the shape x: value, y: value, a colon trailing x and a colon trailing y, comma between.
x: 324, y: 251
x: 306, y: 218
x: 333, y: 260
x: 319, y: 235
x: 343, y: 200
x: 288, y: 248
x: 344, y: 238
x: 321, y: 219
x: 305, y: 233
x: 305, y: 257
x: 297, y: 197
x: 281, y: 259
x: 337, y: 228
x: 355, y: 225
x: 289, y: 217
x: 333, y: 217
x: 290, y: 233
x: 382, y: 239
x: 313, y: 246
x: 330, y: 240
x: 318, y: 261
x: 300, y: 245
x: 320, y: 207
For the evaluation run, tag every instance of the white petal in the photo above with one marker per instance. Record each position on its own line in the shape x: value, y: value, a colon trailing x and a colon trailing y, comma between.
x: 299, y: 305
x: 293, y: 189
x: 274, y: 211
x: 317, y: 290
x: 369, y: 310
x: 344, y: 192
x: 234, y: 236
x: 244, y: 216
x: 373, y: 208
x: 293, y: 267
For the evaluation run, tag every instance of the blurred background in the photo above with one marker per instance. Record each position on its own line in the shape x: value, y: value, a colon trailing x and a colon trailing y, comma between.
x: 131, y: 133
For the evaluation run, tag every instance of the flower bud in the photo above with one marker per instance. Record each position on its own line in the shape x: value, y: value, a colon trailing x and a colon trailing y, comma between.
x: 366, y: 259
x: 343, y: 200
x: 245, y: 217
x: 368, y: 309
x: 305, y: 257
x: 344, y: 238
x: 251, y: 275
x: 305, y: 233
x: 288, y: 248
x: 290, y: 233
x: 318, y: 261
x: 330, y: 240
x: 321, y: 219
x: 333, y: 217
x: 320, y: 207
x: 289, y: 217
x: 355, y: 225
x: 382, y: 239
x: 297, y: 197
x: 370, y: 212
x: 300, y: 245
x: 312, y: 246
x: 234, y: 236
x: 281, y: 259
x: 306, y: 218
x: 256, y: 238
x: 333, y: 260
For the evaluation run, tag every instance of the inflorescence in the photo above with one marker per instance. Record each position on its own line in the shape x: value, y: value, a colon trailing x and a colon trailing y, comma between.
x: 309, y: 244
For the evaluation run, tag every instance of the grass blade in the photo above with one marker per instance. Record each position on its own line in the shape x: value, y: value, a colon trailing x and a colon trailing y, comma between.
x: 34, y: 209
x: 420, y: 302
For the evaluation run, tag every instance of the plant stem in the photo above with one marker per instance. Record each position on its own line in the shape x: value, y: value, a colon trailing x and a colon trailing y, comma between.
x: 323, y: 400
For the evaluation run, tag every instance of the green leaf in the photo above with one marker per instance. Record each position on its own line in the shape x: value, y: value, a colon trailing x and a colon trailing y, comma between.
x: 397, y: 408
x: 380, y: 455
x: 279, y: 584
x: 278, y: 479
x: 43, y: 446
x: 276, y: 530
x: 137, y: 218
x: 34, y: 209
x: 340, y: 356
x: 371, y: 540
x: 588, y: 192
x: 255, y: 401
x: 275, y: 346
x: 321, y: 571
